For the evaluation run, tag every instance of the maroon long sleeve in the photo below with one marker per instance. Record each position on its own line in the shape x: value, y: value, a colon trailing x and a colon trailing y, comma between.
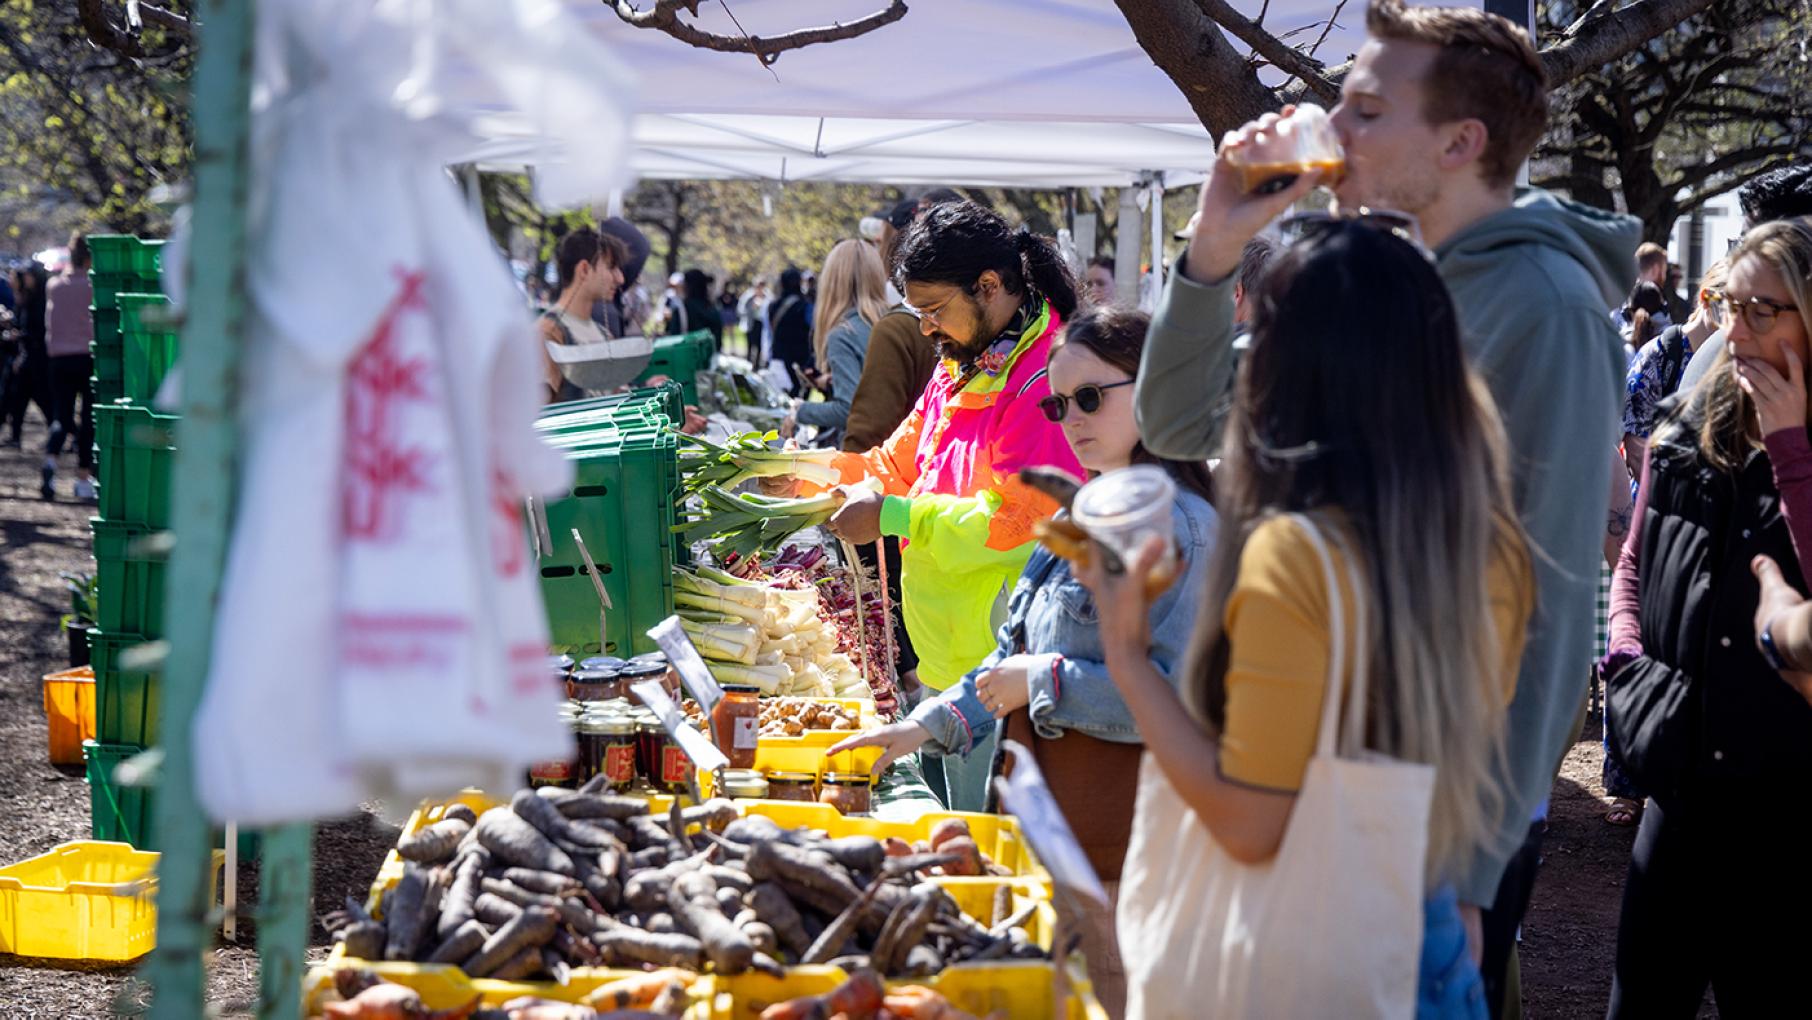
x: 1626, y: 592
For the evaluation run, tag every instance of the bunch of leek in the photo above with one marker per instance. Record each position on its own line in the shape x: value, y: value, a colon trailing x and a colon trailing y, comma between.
x: 763, y: 635
x: 747, y: 456
x: 748, y: 523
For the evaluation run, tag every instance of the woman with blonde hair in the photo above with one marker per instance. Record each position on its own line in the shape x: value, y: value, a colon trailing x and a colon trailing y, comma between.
x: 852, y: 297
x: 1707, y: 728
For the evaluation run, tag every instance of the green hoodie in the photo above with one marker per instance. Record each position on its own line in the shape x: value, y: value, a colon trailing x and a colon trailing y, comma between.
x: 1532, y: 286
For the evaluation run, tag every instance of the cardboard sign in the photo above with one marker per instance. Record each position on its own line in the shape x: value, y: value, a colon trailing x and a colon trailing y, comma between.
x: 703, y: 752
x: 1025, y: 795
x: 684, y: 657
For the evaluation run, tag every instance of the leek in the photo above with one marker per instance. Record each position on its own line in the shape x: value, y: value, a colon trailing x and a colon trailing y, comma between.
x: 747, y: 456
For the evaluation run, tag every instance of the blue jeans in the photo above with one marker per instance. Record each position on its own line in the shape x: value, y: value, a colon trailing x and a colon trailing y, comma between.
x: 1449, y: 987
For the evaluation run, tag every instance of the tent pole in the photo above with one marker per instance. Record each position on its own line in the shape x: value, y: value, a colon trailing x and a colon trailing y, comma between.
x: 1157, y: 234
x: 205, y: 472
x: 1126, y: 246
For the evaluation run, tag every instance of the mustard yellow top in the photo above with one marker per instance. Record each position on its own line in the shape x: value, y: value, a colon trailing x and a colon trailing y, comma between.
x: 1277, y: 629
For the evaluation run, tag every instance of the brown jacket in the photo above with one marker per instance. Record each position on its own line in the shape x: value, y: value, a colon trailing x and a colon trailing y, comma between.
x: 899, y: 363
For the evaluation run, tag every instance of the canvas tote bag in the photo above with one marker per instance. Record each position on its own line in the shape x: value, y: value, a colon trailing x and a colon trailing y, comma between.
x: 1331, y: 926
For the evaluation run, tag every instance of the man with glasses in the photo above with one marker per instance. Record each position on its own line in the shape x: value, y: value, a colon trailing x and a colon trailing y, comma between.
x: 990, y: 299
x: 1441, y: 109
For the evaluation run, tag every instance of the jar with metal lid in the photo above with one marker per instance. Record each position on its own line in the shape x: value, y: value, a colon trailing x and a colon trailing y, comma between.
x: 795, y: 786
x: 736, y: 725
x: 634, y: 673
x: 849, y: 792
x: 612, y: 749
x: 744, y: 784
x: 669, y: 770
x: 602, y: 662
x: 560, y: 668
x: 660, y: 659
x: 591, y: 685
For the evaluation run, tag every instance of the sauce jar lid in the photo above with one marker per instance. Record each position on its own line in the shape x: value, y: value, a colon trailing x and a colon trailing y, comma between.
x: 602, y: 662
x: 634, y: 670
x: 741, y: 689
x: 792, y: 777
x: 660, y: 657
x: 596, y: 675
x: 560, y: 665
x: 849, y: 778
x: 609, y: 725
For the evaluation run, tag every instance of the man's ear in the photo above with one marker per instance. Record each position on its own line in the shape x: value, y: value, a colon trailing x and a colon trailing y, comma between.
x: 988, y: 282
x: 1465, y: 143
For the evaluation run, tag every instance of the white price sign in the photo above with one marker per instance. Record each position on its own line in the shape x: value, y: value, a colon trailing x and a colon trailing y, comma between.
x: 1025, y: 795
x: 684, y: 657
x: 703, y: 752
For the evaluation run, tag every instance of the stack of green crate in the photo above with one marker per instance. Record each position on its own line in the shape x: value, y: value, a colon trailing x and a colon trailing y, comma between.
x: 623, y: 503
x: 134, y: 460
x: 681, y: 358
x: 120, y: 264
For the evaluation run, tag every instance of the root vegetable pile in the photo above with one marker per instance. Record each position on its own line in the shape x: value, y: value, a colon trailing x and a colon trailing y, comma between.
x: 561, y: 879
x: 365, y: 996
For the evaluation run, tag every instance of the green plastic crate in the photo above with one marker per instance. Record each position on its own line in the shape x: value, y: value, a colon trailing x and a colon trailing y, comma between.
x: 149, y: 348
x: 105, y: 387
x: 136, y: 453
x: 665, y: 400
x: 622, y: 502
x: 106, y: 323
x: 123, y: 254
x: 109, y: 286
x: 680, y: 358
x: 129, y: 575
x: 127, y: 697
x: 128, y: 814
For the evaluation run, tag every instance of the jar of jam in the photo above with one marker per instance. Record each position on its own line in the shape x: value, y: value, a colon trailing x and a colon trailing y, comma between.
x: 562, y: 773
x: 794, y: 786
x: 591, y: 745
x: 603, y: 662
x: 668, y: 770
x: 560, y: 668
x: 660, y: 659
x: 600, y: 684
x: 616, y: 751
x: 744, y: 784
x: 634, y: 672
x: 736, y: 725
x: 848, y: 792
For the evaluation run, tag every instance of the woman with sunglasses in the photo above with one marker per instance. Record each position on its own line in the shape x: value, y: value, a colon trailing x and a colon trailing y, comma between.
x: 1707, y: 728
x: 1046, y: 678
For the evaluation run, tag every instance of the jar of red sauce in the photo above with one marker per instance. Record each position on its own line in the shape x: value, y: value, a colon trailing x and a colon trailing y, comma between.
x: 849, y: 792
x: 736, y: 725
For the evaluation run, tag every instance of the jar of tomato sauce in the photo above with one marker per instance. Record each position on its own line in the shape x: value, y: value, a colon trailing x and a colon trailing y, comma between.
x: 736, y: 725
x: 849, y: 792
x: 795, y: 786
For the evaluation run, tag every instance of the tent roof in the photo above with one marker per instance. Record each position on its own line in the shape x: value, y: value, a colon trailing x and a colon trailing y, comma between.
x: 1018, y: 93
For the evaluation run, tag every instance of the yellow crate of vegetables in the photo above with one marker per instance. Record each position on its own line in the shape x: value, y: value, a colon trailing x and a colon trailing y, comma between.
x: 446, y: 987
x: 1015, y: 989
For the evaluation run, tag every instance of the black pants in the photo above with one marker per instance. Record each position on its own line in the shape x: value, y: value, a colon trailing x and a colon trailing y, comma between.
x: 1505, y: 916
x: 68, y: 383
x: 1718, y: 896
x: 26, y: 382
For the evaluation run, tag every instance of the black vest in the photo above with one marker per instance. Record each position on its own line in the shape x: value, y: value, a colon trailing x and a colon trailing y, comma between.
x: 1747, y: 728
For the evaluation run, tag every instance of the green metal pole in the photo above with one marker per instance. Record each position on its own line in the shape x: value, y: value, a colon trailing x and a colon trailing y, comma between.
x: 205, y: 477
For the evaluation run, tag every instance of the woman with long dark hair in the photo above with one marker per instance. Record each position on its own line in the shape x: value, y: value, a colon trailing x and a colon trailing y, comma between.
x: 1357, y: 426
x: 1046, y: 678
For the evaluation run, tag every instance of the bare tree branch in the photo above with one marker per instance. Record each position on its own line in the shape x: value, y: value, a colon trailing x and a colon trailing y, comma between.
x: 1604, y: 35
x: 1329, y: 27
x: 664, y: 17
x: 1287, y: 59
x: 105, y: 34
x: 1190, y: 48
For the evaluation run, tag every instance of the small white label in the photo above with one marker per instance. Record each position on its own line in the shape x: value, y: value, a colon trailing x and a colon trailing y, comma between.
x: 703, y: 753
x: 747, y: 733
x: 1025, y: 795
x: 682, y: 656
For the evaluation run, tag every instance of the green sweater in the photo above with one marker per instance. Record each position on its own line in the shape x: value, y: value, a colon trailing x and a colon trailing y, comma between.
x: 1531, y: 285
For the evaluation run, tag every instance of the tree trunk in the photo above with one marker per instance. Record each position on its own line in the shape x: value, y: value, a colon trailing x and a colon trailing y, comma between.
x: 1221, y: 87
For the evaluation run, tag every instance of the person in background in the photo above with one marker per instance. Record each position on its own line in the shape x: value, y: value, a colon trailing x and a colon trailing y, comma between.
x: 1659, y: 365
x: 626, y: 312
x: 790, y: 318
x: 700, y: 311
x: 68, y: 333
x: 587, y: 262
x: 1046, y: 678
x: 29, y: 382
x: 938, y: 196
x: 1642, y: 317
x: 1098, y: 281
x: 993, y: 300
x: 674, y: 319
x: 1356, y: 408
x: 1721, y: 745
x: 726, y: 310
x: 1651, y: 276
x: 1678, y: 308
x: 752, y: 310
x: 1442, y: 107
x: 851, y: 303
x: 1779, y: 194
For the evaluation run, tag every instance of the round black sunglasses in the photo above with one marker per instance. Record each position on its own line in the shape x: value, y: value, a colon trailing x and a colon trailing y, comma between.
x: 1087, y: 397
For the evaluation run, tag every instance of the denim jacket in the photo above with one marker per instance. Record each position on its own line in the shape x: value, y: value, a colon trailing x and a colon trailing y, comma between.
x: 1069, y: 686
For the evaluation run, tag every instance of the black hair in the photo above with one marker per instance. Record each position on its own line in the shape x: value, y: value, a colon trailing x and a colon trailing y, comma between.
x: 789, y: 280
x: 1777, y: 195
x: 955, y: 243
x: 902, y: 213
x: 1102, y: 262
x: 1253, y: 259
x: 78, y: 251
x: 938, y: 196
x: 1116, y: 335
x: 635, y: 243
x: 582, y: 245
x: 1645, y: 297
x: 698, y: 285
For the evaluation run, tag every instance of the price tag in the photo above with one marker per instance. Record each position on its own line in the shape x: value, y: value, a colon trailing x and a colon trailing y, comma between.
x: 703, y: 752
x: 1025, y: 795
x: 692, y: 669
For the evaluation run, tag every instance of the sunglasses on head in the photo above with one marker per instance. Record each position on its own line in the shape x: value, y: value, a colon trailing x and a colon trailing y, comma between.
x: 1088, y: 398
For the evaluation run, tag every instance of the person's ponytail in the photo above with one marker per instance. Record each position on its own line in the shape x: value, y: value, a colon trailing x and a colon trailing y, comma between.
x: 1046, y: 271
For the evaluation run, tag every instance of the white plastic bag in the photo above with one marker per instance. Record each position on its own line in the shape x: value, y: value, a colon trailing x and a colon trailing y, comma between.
x: 1330, y: 927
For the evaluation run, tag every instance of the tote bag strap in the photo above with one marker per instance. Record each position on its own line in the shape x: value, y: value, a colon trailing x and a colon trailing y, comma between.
x: 1326, y: 744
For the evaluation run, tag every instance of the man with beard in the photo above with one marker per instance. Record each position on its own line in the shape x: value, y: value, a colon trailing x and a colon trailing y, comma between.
x: 991, y: 299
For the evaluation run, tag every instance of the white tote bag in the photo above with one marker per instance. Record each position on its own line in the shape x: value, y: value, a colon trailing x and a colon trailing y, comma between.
x: 1331, y: 926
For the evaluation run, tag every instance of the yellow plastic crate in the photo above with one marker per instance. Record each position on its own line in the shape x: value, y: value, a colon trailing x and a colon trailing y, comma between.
x: 1021, y: 988
x: 443, y: 986
x: 86, y: 900
x: 801, y: 754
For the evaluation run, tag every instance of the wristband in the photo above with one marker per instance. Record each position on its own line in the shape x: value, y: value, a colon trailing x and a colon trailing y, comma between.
x: 1764, y: 639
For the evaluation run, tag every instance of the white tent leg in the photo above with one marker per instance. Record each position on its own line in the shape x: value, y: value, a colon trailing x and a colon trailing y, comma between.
x: 1157, y: 236
x: 1126, y: 247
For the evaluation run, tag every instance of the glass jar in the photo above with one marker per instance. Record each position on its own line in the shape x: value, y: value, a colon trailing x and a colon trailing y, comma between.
x: 736, y: 725
x: 603, y: 662
x: 744, y: 784
x: 660, y: 659
x: 562, y: 773
x: 591, y: 745
x: 590, y: 685
x: 848, y: 792
x: 560, y: 668
x: 668, y: 770
x: 795, y: 786
x: 634, y: 672
x: 616, y: 746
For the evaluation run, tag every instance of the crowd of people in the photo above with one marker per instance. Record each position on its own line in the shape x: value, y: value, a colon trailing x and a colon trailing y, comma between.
x: 45, y: 333
x: 1437, y: 418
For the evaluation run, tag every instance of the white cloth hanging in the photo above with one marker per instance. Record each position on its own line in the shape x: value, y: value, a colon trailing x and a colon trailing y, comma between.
x: 379, y: 630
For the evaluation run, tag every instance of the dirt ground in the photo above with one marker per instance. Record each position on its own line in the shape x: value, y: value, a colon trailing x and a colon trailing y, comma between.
x: 1568, y: 940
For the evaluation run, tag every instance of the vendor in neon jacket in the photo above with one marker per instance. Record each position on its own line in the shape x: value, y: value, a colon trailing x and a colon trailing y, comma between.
x: 991, y: 299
